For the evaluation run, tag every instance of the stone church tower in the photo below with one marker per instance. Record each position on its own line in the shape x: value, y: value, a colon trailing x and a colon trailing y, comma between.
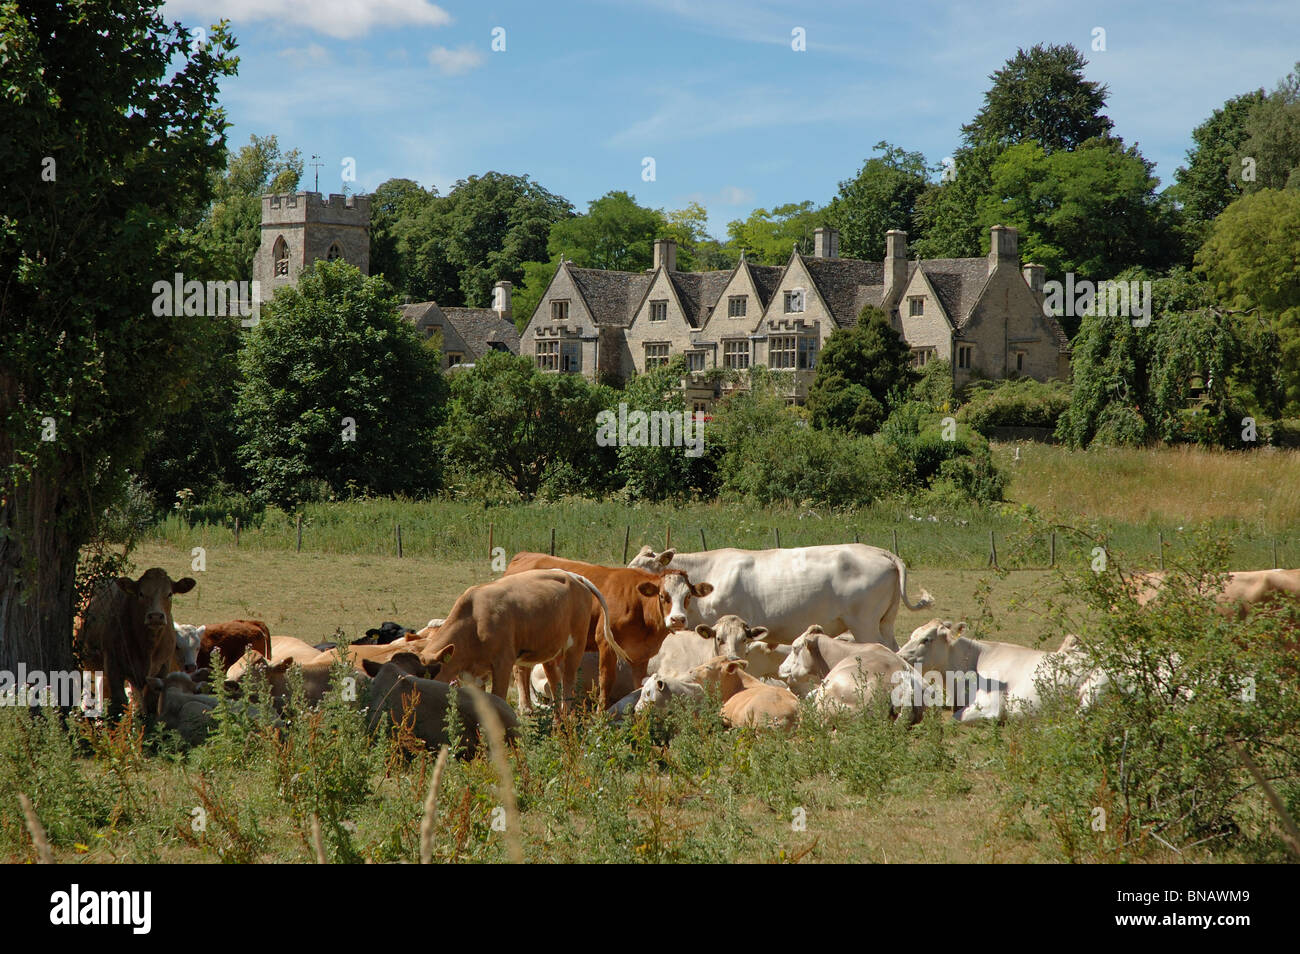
x: 298, y: 228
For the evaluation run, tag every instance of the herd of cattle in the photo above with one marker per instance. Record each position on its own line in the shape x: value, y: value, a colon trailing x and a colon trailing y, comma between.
x: 759, y: 629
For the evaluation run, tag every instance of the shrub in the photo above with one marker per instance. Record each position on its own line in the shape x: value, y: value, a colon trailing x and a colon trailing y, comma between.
x: 1017, y: 403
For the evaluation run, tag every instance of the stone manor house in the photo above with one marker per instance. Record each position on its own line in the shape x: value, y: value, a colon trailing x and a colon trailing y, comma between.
x: 983, y: 315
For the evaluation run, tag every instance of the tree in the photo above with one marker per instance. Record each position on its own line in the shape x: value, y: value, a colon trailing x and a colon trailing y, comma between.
x: 1041, y: 95
x: 616, y: 233
x: 1209, y: 182
x: 768, y: 238
x: 946, y: 214
x: 338, y: 390
x: 658, y: 473
x: 881, y: 197
x: 697, y: 250
x: 1252, y: 260
x: 105, y: 165
x: 480, y: 233
x: 528, y: 294
x: 395, y: 206
x: 1271, y: 148
x: 862, y: 374
x: 509, y: 419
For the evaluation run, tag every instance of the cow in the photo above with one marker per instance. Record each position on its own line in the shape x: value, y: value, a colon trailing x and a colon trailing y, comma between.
x: 842, y: 587
x: 660, y: 689
x: 404, y: 684
x: 286, y: 647
x: 180, y: 705
x: 1241, y: 588
x: 127, y: 632
x: 536, y: 616
x: 858, y: 680
x: 188, y: 637
x: 357, y: 653
x: 984, y: 679
x: 232, y: 639
x: 813, y: 655
x: 386, y: 633
x: 746, y: 700
x: 644, y: 608
x: 729, y: 636
x: 588, y: 675
x: 316, y: 675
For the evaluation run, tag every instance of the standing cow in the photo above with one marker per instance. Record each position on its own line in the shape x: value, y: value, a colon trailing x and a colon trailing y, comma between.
x: 128, y: 633
x: 841, y: 587
x: 644, y: 608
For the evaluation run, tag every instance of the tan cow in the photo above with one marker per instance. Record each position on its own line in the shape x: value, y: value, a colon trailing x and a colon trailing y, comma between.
x: 127, y: 632
x: 859, y: 680
x: 286, y: 647
x: 279, y: 675
x: 537, y: 616
x: 357, y: 653
x: 813, y: 654
x: 1241, y: 589
x: 746, y: 700
x: 587, y: 680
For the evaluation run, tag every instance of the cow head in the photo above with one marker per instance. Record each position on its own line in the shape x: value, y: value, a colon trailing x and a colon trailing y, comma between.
x: 803, y: 665
x: 658, y: 690
x: 674, y: 593
x: 647, y: 559
x: 931, y: 645
x: 731, y: 635
x: 153, y: 596
x: 720, y: 671
x: 188, y: 641
x: 409, y: 664
x: 440, y: 660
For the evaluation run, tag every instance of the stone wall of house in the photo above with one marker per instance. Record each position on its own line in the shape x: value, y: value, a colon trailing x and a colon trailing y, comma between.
x: 579, y: 327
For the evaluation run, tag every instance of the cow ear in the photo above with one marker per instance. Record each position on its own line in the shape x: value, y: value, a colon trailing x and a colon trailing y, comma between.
x: 701, y: 589
x: 444, y: 654
x: 647, y: 588
x: 184, y: 585
x: 283, y: 665
x: 660, y: 685
x: 666, y: 557
x: 128, y: 585
x: 707, y: 631
x: 372, y: 667
x: 757, y: 632
x: 957, y: 633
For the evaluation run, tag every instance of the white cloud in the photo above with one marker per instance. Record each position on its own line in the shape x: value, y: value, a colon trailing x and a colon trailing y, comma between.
x: 455, y: 62
x: 343, y: 19
x: 313, y: 54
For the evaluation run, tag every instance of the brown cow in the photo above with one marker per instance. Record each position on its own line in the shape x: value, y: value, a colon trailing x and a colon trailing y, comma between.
x: 233, y: 638
x: 127, y: 633
x: 644, y: 608
x: 746, y: 700
x: 540, y: 616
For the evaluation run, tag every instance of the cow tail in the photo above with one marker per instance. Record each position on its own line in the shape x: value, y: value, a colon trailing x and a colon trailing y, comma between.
x: 924, y: 601
x: 609, y: 634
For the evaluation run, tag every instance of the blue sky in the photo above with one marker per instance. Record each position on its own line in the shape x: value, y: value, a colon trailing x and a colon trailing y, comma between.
x: 711, y: 89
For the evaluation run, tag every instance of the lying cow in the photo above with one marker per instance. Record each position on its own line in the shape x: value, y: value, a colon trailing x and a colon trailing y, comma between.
x: 746, y: 700
x: 587, y: 679
x: 862, y: 680
x: 537, y: 616
x: 232, y: 639
x: 127, y: 632
x: 316, y: 675
x: 644, y: 608
x: 357, y: 653
x: 386, y: 633
x: 842, y: 587
x: 729, y: 636
x: 404, y: 687
x: 286, y: 647
x: 990, y: 680
x: 181, y: 707
x: 658, y: 691
x: 813, y: 655
x: 1241, y: 590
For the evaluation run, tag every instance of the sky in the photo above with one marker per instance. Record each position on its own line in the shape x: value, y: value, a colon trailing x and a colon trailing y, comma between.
x: 579, y: 95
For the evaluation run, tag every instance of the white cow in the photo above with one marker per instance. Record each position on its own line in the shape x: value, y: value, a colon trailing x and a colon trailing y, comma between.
x: 813, y: 655
x: 848, y: 586
x: 730, y: 636
x: 658, y: 690
x: 984, y: 679
x: 857, y: 681
x: 188, y: 640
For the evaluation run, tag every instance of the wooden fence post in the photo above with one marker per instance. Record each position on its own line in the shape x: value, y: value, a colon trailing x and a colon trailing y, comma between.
x: 668, y: 536
x: 399, y: 541
x: 895, y: 541
x: 237, y: 536
x: 299, y: 522
x: 1053, y: 563
x: 1276, y: 565
x: 1161, y: 538
x: 491, y: 530
x: 993, y: 551
x: 703, y: 545
x: 777, y: 531
x: 627, y: 535
x: 855, y: 536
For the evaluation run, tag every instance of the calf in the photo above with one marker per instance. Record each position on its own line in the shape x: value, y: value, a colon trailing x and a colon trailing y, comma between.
x: 404, y: 688
x: 128, y: 633
x: 659, y: 690
x: 188, y: 638
x: 232, y: 639
x: 644, y: 608
x: 813, y: 655
x: 537, y: 616
x: 746, y: 700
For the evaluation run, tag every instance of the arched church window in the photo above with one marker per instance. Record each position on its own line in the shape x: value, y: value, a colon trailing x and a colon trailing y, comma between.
x: 280, y: 254
x: 334, y: 252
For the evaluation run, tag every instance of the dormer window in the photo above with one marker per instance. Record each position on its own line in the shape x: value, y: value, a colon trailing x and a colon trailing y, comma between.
x: 794, y: 301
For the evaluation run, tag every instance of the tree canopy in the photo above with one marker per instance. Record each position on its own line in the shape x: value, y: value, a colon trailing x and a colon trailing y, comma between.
x: 862, y: 373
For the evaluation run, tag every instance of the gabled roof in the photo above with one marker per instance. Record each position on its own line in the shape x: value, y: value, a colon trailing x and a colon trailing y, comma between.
x: 611, y: 297
x: 958, y: 283
x: 422, y: 314
x: 698, y: 292
x: 480, y: 328
x: 766, y: 278
x: 840, y: 281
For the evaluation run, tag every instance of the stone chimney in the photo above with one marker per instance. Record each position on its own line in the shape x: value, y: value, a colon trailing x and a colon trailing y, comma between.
x: 502, y: 292
x: 895, y: 261
x: 1034, y: 277
x: 826, y: 242
x: 1003, y: 247
x: 666, y: 254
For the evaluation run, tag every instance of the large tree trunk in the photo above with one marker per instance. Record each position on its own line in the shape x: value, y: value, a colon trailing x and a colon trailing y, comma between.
x: 38, y: 571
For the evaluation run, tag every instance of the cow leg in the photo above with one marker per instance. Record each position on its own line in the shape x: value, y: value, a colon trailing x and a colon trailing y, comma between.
x: 561, y: 688
x: 501, y: 678
x: 523, y: 686
x: 608, y: 673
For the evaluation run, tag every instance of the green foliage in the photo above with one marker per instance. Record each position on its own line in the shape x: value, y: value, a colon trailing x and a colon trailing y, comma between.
x: 1017, y: 403
x: 768, y: 237
x: 659, y: 473
x: 1271, y: 139
x: 395, y: 207
x: 881, y: 197
x: 933, y: 385
x: 946, y: 214
x: 509, y: 419
x: 336, y: 347
x: 1109, y: 370
x: 1040, y: 95
x: 928, y: 454
x: 1209, y: 183
x: 862, y: 373
x: 615, y: 233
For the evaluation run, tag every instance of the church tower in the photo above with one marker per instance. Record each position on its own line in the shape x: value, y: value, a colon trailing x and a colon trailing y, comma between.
x: 298, y: 228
